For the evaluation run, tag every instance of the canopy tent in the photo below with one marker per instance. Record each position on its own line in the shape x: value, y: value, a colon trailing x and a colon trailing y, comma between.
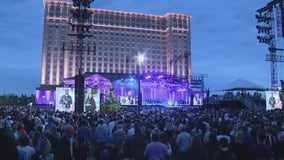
x: 243, y: 85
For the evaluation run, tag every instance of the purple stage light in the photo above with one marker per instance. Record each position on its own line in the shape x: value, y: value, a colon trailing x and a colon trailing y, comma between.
x: 45, y: 97
x: 161, y: 76
x: 157, y: 88
x: 181, y: 90
x: 148, y: 77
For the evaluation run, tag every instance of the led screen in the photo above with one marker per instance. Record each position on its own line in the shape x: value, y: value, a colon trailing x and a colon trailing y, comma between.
x: 273, y: 100
x: 127, y: 100
x: 65, y: 99
x: 45, y: 97
x: 92, y: 100
x: 197, y: 99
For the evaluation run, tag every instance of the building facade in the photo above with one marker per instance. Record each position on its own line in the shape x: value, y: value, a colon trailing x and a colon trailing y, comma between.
x: 114, y: 40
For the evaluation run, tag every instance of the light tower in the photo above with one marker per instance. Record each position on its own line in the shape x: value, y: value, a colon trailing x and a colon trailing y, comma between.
x: 177, y: 59
x: 80, y: 13
x: 270, y: 19
x: 140, y: 59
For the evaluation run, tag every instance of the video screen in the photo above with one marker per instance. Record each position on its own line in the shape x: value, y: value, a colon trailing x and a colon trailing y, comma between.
x: 92, y: 100
x: 127, y: 100
x: 273, y: 100
x: 197, y: 99
x: 45, y: 97
x: 65, y: 99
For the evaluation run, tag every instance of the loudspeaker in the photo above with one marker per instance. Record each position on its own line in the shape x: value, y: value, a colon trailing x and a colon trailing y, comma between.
x: 79, y: 93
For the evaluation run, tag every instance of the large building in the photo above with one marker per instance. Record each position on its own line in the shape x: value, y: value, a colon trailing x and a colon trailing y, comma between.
x: 115, y: 39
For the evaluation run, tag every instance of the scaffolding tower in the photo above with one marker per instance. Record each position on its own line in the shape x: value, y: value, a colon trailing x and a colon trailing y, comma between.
x: 270, y: 19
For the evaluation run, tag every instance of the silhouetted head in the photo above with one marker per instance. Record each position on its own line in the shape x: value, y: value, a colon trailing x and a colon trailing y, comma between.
x: 155, y: 137
x: 24, y: 140
x: 224, y: 144
x: 8, y: 146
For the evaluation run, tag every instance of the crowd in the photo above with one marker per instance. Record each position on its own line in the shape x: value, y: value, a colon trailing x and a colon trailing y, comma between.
x: 238, y: 95
x: 34, y: 133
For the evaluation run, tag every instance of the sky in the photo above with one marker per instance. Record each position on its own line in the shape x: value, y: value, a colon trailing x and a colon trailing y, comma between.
x: 224, y: 45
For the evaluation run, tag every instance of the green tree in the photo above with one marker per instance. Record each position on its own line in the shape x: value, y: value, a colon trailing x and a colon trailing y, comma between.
x: 13, y: 99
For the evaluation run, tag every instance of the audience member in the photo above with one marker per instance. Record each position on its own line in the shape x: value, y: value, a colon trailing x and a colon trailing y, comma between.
x: 156, y: 149
x: 8, y: 146
x: 174, y: 125
x: 224, y: 153
x: 24, y: 149
x: 197, y: 151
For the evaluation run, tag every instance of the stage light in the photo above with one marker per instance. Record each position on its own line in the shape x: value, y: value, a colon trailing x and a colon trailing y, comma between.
x: 148, y: 77
x: 263, y: 18
x: 264, y: 39
x: 161, y: 76
x: 263, y: 29
x: 181, y: 90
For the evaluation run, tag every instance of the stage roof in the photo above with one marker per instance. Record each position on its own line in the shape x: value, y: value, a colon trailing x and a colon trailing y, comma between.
x: 243, y: 85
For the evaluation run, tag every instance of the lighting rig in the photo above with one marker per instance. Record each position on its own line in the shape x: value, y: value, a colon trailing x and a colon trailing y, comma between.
x: 281, y: 93
x: 139, y: 58
x: 176, y: 59
x: 270, y: 19
x: 197, y: 81
x: 80, y: 13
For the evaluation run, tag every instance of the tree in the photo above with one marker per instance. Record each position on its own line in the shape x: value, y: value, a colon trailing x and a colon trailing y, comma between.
x: 13, y: 99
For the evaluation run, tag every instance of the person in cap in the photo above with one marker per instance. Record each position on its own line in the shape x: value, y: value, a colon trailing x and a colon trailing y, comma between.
x: 66, y: 100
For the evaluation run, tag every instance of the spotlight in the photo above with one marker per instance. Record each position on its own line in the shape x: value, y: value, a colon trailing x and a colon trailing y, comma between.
x: 263, y: 29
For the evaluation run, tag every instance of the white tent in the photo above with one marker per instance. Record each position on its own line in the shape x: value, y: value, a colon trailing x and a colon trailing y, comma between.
x: 243, y: 85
